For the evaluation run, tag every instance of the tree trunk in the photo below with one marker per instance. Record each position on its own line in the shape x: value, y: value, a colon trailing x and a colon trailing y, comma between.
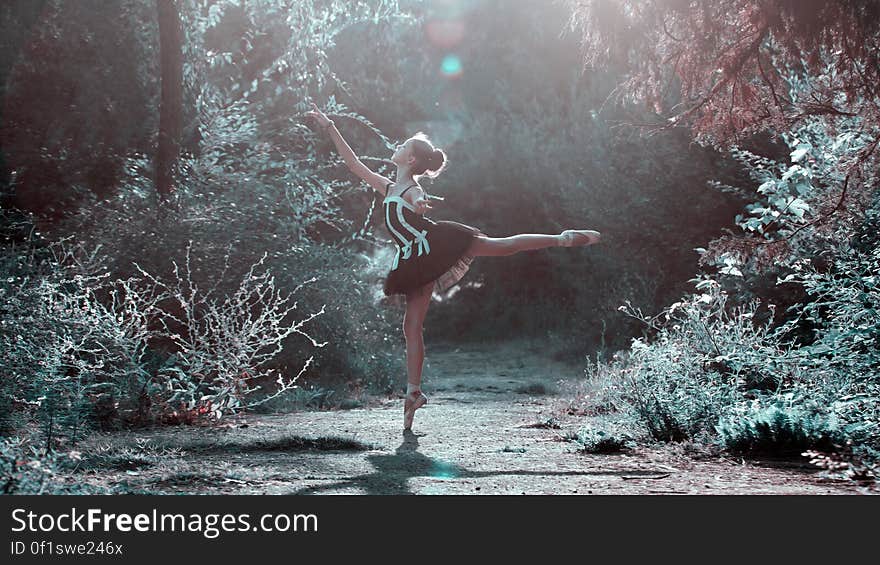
x: 171, y: 105
x: 29, y: 14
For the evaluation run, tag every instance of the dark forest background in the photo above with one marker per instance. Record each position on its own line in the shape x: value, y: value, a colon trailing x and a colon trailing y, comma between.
x: 179, y: 243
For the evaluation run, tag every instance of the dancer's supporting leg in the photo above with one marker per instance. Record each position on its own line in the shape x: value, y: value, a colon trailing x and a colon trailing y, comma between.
x: 417, y: 303
x: 499, y: 246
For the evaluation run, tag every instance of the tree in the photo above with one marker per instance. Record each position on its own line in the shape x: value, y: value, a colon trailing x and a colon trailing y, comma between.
x: 171, y: 106
x: 729, y: 69
x: 733, y: 60
x: 77, y: 97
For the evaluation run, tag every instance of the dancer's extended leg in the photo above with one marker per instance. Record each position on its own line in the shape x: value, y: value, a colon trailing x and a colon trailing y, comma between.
x: 498, y: 246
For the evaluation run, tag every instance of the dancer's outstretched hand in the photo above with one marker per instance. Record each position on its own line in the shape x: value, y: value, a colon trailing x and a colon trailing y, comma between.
x: 319, y: 116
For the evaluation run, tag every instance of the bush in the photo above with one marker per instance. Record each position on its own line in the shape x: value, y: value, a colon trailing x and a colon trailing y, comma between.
x: 223, y: 345
x: 779, y: 430
x: 26, y: 470
x: 711, y: 372
x: 66, y: 349
x: 82, y: 348
x: 776, y: 351
x: 593, y: 440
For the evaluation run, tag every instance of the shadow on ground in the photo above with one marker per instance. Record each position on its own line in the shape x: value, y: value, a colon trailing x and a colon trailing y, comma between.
x: 392, y: 472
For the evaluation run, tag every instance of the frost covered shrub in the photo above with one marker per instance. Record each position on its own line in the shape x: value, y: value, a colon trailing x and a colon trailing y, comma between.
x: 222, y: 344
x: 74, y: 343
x: 81, y: 348
x: 700, y: 360
x: 714, y: 373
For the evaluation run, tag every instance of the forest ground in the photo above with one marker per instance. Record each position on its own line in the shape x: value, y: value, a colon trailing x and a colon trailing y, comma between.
x: 484, y: 431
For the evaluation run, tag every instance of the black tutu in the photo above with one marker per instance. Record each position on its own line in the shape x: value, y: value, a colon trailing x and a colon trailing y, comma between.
x: 427, y: 251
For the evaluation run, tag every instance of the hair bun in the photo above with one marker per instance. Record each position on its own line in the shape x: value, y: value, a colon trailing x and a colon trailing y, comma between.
x: 436, y: 160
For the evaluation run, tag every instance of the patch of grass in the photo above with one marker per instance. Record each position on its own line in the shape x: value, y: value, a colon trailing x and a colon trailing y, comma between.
x: 141, y: 455
x: 297, y: 443
x: 122, y: 462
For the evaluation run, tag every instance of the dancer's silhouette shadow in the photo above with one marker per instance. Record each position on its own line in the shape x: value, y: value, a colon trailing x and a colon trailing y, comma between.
x: 392, y: 472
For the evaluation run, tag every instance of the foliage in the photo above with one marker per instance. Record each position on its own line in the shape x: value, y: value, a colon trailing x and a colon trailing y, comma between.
x: 731, y: 61
x: 778, y: 430
x: 594, y: 440
x: 843, y: 308
x: 222, y: 345
x: 84, y: 348
x: 743, y: 67
x: 713, y: 373
x: 26, y: 470
x: 803, y: 205
x: 198, y: 343
x: 67, y: 351
x: 142, y: 453
x: 78, y: 97
x: 775, y: 350
x: 679, y: 385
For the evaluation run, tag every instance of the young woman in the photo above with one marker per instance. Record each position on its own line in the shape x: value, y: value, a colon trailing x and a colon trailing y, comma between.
x: 431, y: 255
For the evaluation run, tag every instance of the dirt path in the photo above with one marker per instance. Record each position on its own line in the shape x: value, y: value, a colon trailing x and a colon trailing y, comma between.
x: 476, y: 436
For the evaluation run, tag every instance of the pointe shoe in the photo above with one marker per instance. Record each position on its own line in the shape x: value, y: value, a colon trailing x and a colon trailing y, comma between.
x: 572, y: 238
x: 413, y: 402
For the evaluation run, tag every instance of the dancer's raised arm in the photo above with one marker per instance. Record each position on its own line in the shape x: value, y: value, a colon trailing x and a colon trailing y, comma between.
x: 354, y: 164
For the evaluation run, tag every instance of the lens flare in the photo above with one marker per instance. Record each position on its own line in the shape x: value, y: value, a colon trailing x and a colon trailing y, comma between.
x: 443, y: 470
x: 451, y: 66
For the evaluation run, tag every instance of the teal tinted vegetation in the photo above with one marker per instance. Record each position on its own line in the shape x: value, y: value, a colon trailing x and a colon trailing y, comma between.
x: 181, y: 245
